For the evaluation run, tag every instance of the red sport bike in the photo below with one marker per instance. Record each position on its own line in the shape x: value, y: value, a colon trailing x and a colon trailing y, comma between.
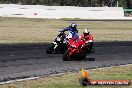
x: 77, y: 50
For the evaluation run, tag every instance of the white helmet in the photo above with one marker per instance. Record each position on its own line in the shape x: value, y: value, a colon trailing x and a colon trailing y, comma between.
x: 86, y: 32
x: 73, y: 25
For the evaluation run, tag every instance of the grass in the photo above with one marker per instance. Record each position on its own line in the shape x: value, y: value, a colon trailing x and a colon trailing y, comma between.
x: 71, y: 80
x: 24, y: 30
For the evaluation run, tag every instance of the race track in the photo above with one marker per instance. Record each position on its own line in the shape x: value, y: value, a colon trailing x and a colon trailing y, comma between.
x: 23, y: 61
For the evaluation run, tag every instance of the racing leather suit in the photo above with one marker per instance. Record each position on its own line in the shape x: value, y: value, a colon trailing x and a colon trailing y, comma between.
x: 88, y: 41
x: 72, y: 32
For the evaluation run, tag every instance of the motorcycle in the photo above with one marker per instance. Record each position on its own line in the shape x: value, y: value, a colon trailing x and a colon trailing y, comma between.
x: 59, y: 45
x: 76, y: 50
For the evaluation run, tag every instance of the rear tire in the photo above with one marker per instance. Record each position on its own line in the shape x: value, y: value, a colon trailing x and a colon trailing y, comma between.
x: 66, y: 56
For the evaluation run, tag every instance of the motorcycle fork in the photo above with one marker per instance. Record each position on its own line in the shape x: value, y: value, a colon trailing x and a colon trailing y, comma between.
x: 55, y: 45
x: 71, y: 51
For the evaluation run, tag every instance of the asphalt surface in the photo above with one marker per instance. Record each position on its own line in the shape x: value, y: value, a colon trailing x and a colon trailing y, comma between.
x: 30, y: 60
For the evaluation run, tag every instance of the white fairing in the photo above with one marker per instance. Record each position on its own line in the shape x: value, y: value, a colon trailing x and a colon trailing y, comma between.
x: 58, y: 39
x: 69, y: 35
x: 54, y: 43
x: 90, y: 41
x: 55, y: 46
x: 79, y: 37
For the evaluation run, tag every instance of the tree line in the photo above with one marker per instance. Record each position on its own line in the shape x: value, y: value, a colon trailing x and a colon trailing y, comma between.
x: 81, y: 3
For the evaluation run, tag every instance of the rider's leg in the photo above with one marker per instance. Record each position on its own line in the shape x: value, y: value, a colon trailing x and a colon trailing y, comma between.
x: 90, y: 47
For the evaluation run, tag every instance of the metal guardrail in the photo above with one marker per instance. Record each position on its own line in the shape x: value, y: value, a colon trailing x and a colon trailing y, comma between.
x: 127, y: 10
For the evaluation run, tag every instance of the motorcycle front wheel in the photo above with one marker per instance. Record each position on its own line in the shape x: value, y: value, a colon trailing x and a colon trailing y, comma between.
x: 66, y: 56
x: 50, y: 49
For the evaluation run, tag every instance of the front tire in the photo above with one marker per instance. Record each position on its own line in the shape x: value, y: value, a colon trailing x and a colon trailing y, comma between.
x: 50, y: 49
x: 66, y: 56
x: 83, y: 56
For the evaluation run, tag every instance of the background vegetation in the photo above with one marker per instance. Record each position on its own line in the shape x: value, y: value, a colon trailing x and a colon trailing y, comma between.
x: 85, y: 3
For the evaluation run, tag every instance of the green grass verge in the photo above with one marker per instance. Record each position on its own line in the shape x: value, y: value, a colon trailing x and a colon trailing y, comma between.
x: 24, y: 30
x: 71, y: 80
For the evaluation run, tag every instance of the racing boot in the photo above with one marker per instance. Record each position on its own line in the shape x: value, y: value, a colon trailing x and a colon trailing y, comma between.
x: 90, y: 50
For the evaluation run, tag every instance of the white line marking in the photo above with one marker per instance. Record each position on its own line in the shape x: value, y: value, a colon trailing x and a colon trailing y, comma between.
x: 32, y: 78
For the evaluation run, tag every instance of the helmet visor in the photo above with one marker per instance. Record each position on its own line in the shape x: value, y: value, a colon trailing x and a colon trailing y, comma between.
x: 85, y: 34
x: 73, y: 25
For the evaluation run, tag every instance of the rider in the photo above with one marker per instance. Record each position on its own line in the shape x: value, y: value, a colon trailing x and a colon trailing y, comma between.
x: 72, y: 31
x: 88, y: 40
